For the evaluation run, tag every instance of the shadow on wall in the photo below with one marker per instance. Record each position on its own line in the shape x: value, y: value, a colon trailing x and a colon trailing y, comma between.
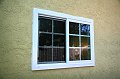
x: 118, y: 0
x: 1, y: 1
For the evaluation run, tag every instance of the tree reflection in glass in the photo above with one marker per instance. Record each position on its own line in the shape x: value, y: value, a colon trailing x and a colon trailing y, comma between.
x: 45, y: 24
x: 85, y: 54
x: 45, y: 39
x: 51, y: 40
x: 74, y: 41
x: 45, y: 55
x: 85, y: 41
x: 73, y: 28
x: 74, y: 54
x: 59, y: 26
x: 85, y: 29
x: 59, y: 54
x: 59, y: 40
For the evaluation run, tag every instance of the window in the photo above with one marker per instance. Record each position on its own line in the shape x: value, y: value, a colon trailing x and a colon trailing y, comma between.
x: 61, y: 41
x: 51, y: 40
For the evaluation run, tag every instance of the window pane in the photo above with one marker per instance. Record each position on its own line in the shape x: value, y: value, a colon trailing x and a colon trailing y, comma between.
x: 74, y: 54
x: 45, y: 55
x: 73, y: 28
x: 85, y: 54
x: 85, y: 41
x: 45, y: 24
x: 59, y: 40
x: 59, y: 26
x: 59, y: 54
x: 74, y: 41
x: 85, y: 29
x: 45, y: 39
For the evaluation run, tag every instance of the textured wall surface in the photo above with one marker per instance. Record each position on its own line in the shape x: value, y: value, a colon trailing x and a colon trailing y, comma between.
x: 16, y: 37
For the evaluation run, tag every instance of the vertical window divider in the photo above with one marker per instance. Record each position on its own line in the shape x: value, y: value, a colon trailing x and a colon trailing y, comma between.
x: 38, y: 38
x: 52, y: 38
x: 67, y: 40
x: 80, y: 40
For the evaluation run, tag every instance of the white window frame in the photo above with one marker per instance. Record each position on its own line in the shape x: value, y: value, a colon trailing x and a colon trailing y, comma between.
x: 67, y: 64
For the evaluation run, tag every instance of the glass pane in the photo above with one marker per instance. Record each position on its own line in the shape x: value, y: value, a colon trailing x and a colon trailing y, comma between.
x: 85, y: 54
x: 74, y: 41
x: 73, y: 28
x: 45, y: 39
x: 45, y: 55
x: 74, y: 54
x: 85, y: 29
x: 59, y: 54
x: 85, y: 41
x: 45, y: 24
x: 59, y: 40
x: 59, y: 26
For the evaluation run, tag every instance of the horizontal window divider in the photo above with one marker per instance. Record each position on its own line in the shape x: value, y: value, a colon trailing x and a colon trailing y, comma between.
x: 87, y: 47
x: 58, y: 34
x: 81, y: 47
x: 85, y: 35
x: 45, y: 46
x: 45, y: 32
x: 79, y: 35
x: 51, y: 47
x: 51, y: 33
x: 74, y: 34
x: 74, y: 47
x: 57, y: 47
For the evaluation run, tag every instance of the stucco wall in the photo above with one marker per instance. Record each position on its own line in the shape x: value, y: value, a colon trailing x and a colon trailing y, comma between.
x: 16, y: 38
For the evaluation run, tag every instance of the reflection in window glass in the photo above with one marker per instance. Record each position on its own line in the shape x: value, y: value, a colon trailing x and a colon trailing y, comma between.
x: 58, y: 54
x: 74, y: 54
x: 85, y: 54
x: 59, y: 40
x: 73, y: 28
x: 85, y: 41
x: 51, y: 40
x: 74, y: 41
x: 45, y: 24
x: 45, y: 55
x: 85, y: 29
x: 45, y: 39
x: 59, y: 26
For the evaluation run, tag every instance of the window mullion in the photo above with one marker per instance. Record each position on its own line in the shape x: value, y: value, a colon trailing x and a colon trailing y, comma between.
x: 80, y: 39
x: 67, y: 41
x: 52, y: 38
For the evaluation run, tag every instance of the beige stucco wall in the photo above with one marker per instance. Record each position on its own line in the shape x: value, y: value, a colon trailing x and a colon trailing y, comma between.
x: 16, y: 38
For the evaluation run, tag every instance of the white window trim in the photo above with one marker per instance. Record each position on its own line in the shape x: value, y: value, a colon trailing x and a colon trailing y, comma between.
x: 67, y: 64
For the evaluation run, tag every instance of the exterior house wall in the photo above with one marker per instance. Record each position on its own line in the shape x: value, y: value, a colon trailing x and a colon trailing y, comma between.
x: 16, y: 38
